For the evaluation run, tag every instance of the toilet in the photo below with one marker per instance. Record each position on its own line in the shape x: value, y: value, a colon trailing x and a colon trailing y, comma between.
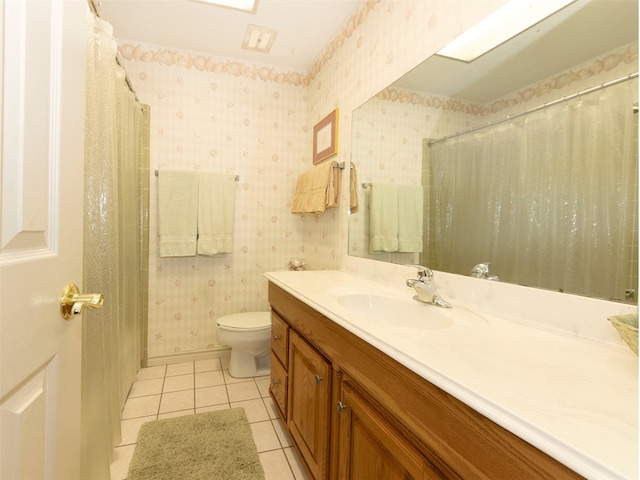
x: 249, y: 336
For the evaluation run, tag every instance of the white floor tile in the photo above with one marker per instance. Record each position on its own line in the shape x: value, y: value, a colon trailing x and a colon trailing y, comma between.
x: 209, y: 379
x: 180, y: 368
x: 263, y: 385
x: 264, y: 436
x: 275, y: 465
x: 131, y: 427
x: 151, y: 372
x: 208, y: 365
x: 208, y: 396
x: 243, y: 391
x: 255, y: 410
x: 179, y: 413
x: 283, y: 436
x: 206, y: 386
x: 271, y: 408
x: 141, y: 407
x: 120, y: 464
x: 229, y: 379
x: 213, y: 408
x: 142, y: 388
x: 175, y: 401
x: 178, y: 382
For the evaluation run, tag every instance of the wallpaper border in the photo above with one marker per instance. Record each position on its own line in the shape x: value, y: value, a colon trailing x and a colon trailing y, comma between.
x: 208, y: 63
x: 565, y: 79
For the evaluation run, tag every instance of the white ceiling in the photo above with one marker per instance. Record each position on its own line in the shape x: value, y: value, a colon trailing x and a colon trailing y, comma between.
x: 305, y: 27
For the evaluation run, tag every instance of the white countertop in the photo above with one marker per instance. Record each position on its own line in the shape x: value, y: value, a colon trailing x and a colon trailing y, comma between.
x: 574, y: 398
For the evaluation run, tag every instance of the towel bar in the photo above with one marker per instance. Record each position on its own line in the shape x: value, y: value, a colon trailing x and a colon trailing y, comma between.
x: 157, y: 172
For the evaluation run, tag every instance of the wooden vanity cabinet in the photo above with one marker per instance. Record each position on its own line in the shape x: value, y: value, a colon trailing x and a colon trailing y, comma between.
x: 300, y: 387
x: 369, y: 447
x: 279, y: 387
x: 280, y: 339
x: 308, y: 413
x: 373, y: 418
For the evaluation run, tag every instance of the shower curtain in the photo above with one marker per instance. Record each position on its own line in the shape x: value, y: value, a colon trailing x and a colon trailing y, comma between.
x: 548, y: 198
x: 116, y: 162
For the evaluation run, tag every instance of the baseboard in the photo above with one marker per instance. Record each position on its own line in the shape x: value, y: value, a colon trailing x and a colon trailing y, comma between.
x: 191, y: 356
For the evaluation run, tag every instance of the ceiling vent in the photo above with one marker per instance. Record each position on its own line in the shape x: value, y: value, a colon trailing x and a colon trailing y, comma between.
x: 259, y: 39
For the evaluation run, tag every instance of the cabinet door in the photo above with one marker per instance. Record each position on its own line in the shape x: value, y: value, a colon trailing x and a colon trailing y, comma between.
x: 369, y: 447
x: 278, y: 387
x: 309, y: 404
x: 280, y: 338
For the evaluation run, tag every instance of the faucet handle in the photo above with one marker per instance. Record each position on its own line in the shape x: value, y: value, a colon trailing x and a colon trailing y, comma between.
x: 481, y: 270
x: 422, y: 271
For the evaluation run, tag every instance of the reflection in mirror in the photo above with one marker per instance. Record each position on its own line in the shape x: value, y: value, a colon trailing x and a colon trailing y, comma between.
x: 525, y: 158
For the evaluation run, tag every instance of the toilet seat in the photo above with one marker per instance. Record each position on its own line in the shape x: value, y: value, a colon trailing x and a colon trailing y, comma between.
x: 254, y: 321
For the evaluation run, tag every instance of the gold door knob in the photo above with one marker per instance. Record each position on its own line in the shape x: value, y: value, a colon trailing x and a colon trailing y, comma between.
x: 72, y: 302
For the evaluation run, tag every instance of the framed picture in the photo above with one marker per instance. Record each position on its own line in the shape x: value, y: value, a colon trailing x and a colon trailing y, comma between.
x: 325, y: 137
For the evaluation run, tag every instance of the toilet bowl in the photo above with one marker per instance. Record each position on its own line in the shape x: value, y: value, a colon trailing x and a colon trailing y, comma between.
x: 249, y: 336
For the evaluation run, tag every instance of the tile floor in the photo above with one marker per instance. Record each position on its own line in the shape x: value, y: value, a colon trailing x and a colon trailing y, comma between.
x: 200, y: 386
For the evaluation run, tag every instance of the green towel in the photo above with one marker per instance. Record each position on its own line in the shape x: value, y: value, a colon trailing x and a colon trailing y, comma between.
x: 410, y: 218
x: 383, y: 216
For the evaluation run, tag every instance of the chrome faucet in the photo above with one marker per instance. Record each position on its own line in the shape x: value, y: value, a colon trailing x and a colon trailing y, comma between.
x: 481, y: 270
x: 425, y: 287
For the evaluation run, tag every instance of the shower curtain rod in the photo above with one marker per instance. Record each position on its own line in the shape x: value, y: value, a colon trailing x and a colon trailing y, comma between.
x: 94, y: 9
x: 540, y: 107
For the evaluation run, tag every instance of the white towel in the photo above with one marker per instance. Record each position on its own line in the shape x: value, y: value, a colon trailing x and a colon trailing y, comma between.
x: 410, y: 219
x: 216, y: 208
x: 383, y: 218
x: 177, y: 211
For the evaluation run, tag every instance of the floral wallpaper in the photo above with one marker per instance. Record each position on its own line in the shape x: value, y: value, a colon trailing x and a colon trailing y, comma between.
x: 221, y: 123
x: 219, y: 114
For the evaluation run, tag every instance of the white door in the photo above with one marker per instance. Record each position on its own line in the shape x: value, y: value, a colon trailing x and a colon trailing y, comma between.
x: 41, y: 220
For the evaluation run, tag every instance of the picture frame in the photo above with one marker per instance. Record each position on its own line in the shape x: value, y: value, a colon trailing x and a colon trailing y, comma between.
x: 325, y: 137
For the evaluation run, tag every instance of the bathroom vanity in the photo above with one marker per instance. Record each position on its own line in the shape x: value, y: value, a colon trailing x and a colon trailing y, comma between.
x: 360, y: 402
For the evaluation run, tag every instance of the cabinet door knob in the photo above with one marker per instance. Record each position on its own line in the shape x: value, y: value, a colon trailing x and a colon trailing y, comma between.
x: 341, y: 406
x: 274, y: 381
x: 276, y: 337
x: 318, y: 379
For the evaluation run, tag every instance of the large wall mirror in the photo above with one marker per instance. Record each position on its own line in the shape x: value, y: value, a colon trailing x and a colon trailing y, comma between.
x: 524, y: 159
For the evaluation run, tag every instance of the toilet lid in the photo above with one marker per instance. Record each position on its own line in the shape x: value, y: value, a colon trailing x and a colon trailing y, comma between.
x: 246, y: 320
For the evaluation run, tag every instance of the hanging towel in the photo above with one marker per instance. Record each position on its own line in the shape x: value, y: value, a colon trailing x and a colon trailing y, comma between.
x: 383, y: 218
x: 410, y: 218
x: 317, y: 190
x: 177, y: 211
x: 353, y: 189
x: 216, y: 206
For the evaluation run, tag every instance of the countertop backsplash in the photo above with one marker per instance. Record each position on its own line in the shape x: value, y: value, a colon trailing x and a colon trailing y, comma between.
x: 581, y: 316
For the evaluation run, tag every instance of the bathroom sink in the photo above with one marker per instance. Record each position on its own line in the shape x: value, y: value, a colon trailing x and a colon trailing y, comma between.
x: 399, y: 312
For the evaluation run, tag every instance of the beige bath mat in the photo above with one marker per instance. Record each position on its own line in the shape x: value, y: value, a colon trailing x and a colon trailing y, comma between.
x: 213, y: 446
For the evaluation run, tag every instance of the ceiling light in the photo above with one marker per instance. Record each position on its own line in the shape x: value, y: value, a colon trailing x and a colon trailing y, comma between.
x: 245, y: 5
x: 259, y: 39
x: 506, y: 22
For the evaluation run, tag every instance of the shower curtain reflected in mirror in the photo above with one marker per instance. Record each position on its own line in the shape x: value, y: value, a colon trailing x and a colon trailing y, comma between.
x: 548, y: 198
x: 116, y: 165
